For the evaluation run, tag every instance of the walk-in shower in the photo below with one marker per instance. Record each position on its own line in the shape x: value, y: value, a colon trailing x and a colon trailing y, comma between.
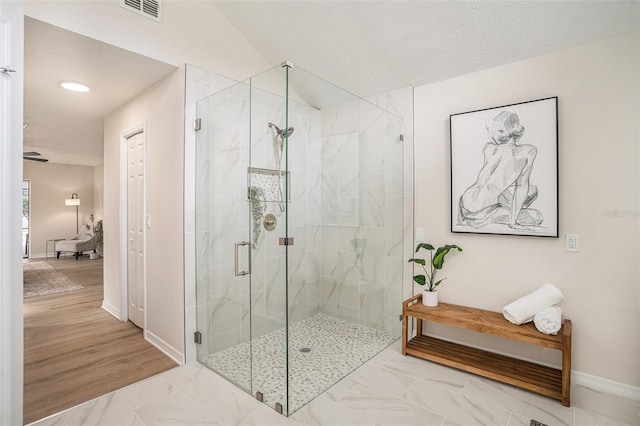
x: 299, y: 234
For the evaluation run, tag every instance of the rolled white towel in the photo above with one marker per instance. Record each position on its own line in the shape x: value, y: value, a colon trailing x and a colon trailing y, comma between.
x: 548, y: 320
x: 522, y: 310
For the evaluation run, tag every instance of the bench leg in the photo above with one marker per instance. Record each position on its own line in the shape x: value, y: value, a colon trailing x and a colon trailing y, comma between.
x: 57, y: 255
x: 77, y: 255
x: 404, y: 335
x: 566, y: 363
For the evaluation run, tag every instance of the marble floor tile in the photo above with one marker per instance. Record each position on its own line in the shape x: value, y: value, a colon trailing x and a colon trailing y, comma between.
x: 384, y: 356
x: 199, y: 383
x: 387, y: 410
x: 146, y: 391
x: 377, y: 377
x: 107, y: 410
x: 621, y: 409
x: 323, y: 411
x: 455, y: 406
x: 430, y: 372
x: 517, y: 401
x: 516, y: 420
x: 338, y: 390
x: 586, y: 418
x: 238, y: 408
x: 173, y: 409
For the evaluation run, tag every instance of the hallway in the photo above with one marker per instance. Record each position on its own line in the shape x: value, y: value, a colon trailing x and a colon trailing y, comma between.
x: 75, y: 351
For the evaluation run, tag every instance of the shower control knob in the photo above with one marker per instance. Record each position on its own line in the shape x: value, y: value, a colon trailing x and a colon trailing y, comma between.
x: 269, y: 222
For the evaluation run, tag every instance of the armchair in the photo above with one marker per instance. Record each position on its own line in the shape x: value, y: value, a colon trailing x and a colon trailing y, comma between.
x: 84, y: 241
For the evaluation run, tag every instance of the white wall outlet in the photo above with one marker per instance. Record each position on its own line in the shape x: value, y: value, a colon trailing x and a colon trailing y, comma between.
x: 419, y: 235
x: 572, y: 242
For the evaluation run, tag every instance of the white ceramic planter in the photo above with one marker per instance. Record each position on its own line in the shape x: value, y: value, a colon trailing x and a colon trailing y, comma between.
x: 430, y: 298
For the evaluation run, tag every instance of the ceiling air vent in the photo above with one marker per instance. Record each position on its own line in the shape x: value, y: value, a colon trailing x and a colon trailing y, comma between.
x: 150, y: 8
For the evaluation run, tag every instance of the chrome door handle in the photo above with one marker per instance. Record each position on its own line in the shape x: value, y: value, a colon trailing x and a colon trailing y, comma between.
x: 241, y: 273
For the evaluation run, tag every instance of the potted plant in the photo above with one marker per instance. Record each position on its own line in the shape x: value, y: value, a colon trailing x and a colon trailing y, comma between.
x: 430, y: 296
x: 96, y: 230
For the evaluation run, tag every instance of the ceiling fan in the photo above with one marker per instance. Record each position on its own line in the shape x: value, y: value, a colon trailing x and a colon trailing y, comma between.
x: 31, y: 155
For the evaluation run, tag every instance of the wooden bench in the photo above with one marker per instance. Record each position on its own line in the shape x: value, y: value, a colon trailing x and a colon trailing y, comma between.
x: 527, y: 375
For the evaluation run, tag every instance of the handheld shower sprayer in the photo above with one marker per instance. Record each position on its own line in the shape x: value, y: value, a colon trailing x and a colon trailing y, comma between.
x: 279, y: 137
x: 282, y: 133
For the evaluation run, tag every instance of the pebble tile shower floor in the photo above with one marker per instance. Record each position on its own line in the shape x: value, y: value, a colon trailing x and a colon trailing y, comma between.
x: 336, y: 348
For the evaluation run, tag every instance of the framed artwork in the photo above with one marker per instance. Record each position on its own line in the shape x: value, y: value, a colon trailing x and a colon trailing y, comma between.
x: 504, y: 169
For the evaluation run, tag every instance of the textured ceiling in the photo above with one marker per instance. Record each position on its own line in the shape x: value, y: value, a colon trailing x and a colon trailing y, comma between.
x: 64, y: 126
x: 367, y: 47
x: 370, y: 47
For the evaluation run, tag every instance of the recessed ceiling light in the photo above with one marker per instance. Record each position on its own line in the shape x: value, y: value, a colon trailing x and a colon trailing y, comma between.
x: 74, y: 86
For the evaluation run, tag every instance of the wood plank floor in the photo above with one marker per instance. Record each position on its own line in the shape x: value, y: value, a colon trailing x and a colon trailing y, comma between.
x: 74, y: 351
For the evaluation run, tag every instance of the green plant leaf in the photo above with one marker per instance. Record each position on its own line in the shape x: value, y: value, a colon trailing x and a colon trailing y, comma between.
x: 418, y: 261
x: 424, y: 246
x: 438, y: 259
x: 420, y: 279
x: 438, y: 283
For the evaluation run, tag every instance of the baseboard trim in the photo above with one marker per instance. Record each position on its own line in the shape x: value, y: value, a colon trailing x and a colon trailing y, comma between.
x: 164, y: 347
x: 111, y: 309
x: 603, y: 385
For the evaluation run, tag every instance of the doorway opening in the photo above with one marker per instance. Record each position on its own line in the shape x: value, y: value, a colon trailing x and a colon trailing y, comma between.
x: 26, y: 209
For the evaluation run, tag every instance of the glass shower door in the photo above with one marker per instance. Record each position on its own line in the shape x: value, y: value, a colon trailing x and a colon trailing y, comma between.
x: 223, y: 235
x: 241, y: 202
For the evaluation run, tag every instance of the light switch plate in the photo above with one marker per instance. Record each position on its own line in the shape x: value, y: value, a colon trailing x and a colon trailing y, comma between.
x: 572, y: 242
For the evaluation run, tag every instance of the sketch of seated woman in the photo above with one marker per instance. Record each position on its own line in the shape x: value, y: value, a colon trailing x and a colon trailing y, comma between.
x: 502, y: 193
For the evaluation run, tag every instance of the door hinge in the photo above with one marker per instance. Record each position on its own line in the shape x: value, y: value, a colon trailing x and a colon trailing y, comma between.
x: 401, y: 138
x: 197, y: 124
x: 197, y: 338
x: 400, y: 317
x: 286, y: 241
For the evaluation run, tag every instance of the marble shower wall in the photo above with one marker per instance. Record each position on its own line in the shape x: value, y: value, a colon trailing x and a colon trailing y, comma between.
x: 362, y: 215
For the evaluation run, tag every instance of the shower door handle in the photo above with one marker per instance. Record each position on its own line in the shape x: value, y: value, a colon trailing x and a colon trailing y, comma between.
x: 241, y: 273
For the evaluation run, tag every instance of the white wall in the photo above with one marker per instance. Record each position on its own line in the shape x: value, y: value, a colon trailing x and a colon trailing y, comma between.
x: 597, y: 87
x: 161, y: 107
x: 98, y: 191
x: 192, y: 31
x: 51, y: 184
x: 11, y: 107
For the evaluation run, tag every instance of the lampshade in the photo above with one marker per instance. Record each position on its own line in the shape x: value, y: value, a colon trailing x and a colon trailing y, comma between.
x: 73, y: 201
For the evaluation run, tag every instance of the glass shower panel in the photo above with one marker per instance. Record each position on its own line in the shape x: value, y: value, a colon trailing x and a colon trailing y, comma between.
x: 342, y: 268
x: 269, y: 193
x: 223, y: 237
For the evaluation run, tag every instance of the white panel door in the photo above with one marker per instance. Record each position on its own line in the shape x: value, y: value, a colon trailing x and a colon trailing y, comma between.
x: 135, y: 228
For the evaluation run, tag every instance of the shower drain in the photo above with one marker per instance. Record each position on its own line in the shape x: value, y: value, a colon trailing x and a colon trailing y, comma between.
x: 305, y: 350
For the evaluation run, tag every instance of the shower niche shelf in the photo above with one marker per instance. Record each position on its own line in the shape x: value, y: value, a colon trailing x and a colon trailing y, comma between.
x: 267, y: 180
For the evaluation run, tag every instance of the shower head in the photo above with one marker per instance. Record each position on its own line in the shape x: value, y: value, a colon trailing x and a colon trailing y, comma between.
x: 283, y: 133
